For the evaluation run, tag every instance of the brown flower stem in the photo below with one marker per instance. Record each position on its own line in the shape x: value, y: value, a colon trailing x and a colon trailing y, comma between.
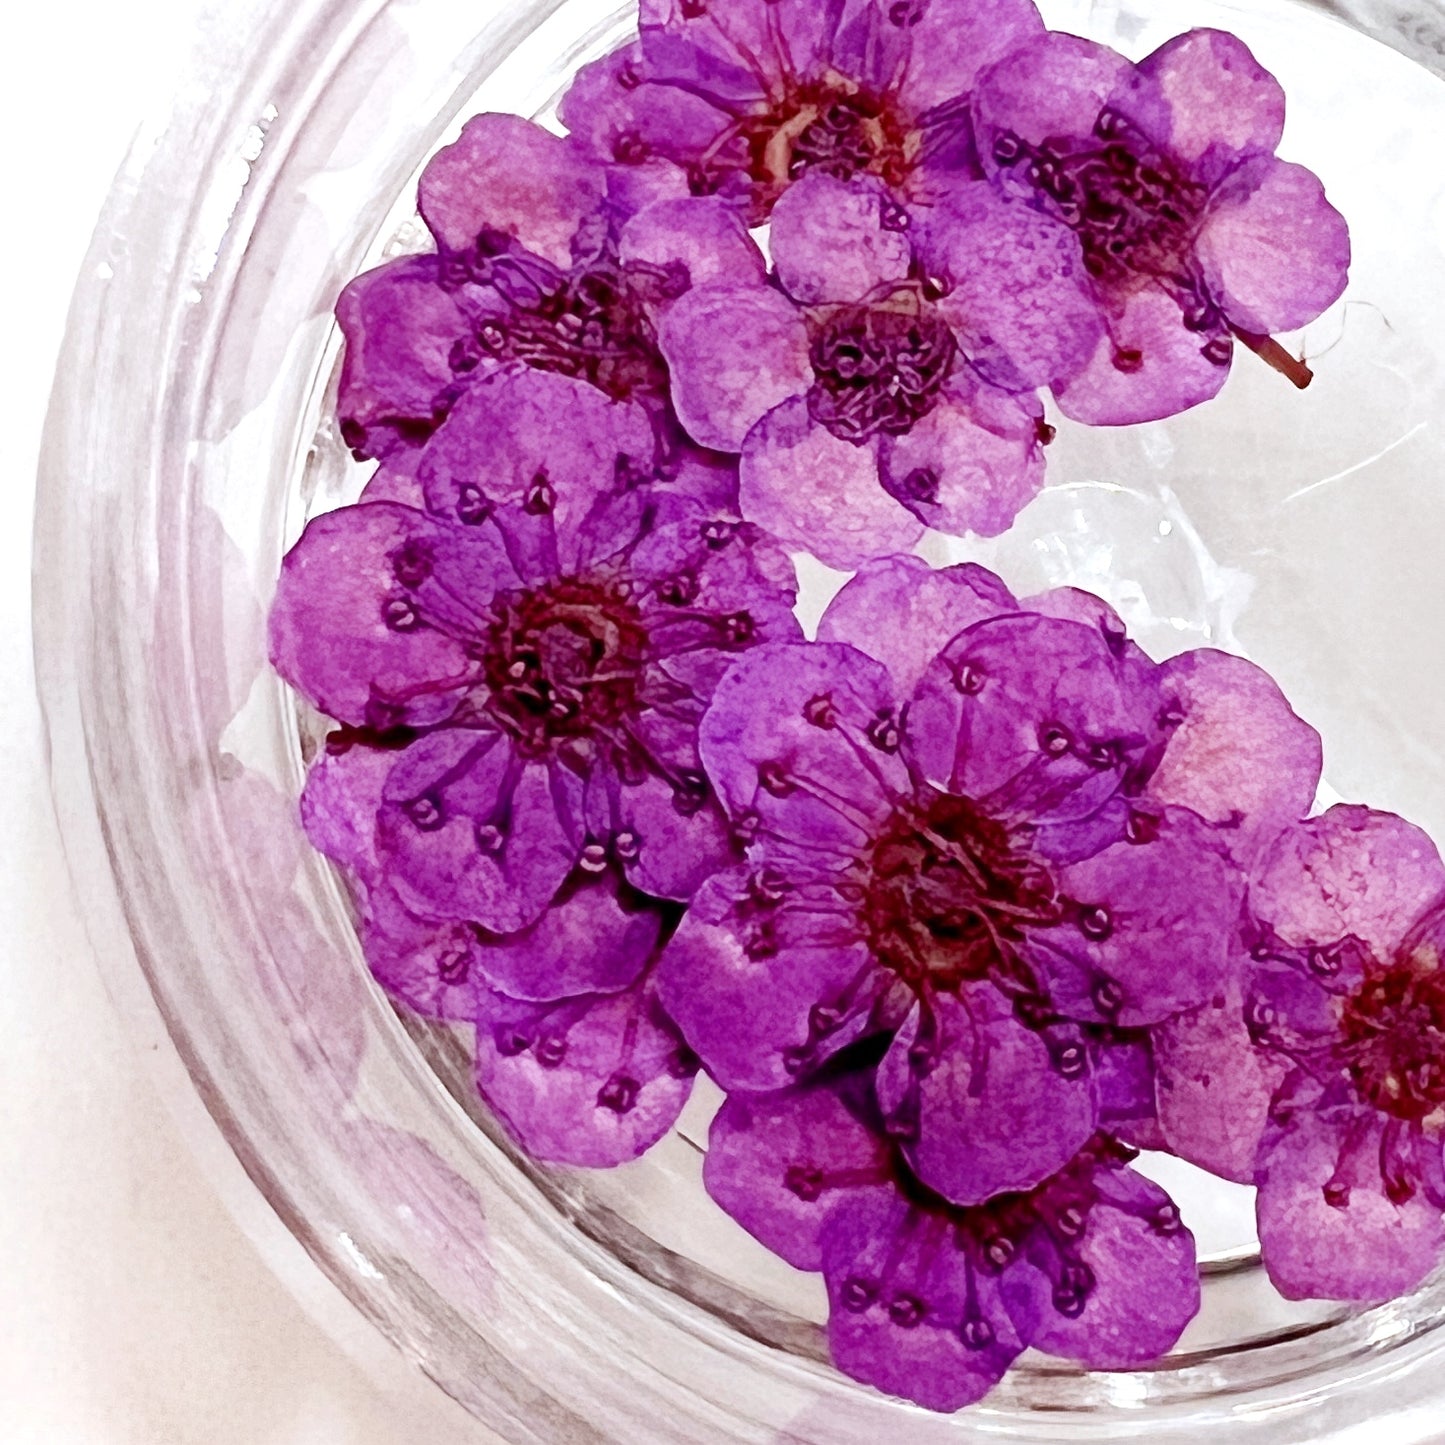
x: 1273, y: 354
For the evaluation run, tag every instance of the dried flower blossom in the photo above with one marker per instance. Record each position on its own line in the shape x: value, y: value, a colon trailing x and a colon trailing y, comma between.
x: 573, y: 1053
x: 1345, y: 995
x: 1160, y: 180
x: 542, y: 259
x: 859, y: 419
x: 981, y: 874
x: 933, y: 1302
x: 749, y: 96
x: 540, y: 645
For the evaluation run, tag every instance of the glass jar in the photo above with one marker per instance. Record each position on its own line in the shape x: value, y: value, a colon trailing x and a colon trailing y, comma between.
x: 189, y: 441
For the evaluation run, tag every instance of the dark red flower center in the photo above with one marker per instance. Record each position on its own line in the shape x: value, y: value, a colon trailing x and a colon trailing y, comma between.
x: 1394, y: 1032
x: 847, y: 139
x: 1132, y: 209
x: 828, y: 125
x: 949, y: 894
x: 563, y: 660
x: 878, y: 369
x: 591, y: 324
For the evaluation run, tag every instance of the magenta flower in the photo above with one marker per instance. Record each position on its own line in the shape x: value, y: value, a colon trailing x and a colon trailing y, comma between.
x: 573, y: 1053
x: 541, y: 644
x: 1345, y: 999
x: 1158, y: 185
x: 749, y: 96
x: 933, y: 1302
x: 984, y: 875
x: 544, y: 257
x: 859, y: 418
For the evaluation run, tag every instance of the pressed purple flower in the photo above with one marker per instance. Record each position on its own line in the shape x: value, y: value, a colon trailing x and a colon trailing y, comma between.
x: 751, y: 95
x: 538, y: 649
x: 543, y: 259
x: 573, y: 1052
x: 858, y: 416
x: 589, y: 1077
x: 972, y: 875
x: 1161, y: 190
x: 1345, y: 985
x: 934, y: 1302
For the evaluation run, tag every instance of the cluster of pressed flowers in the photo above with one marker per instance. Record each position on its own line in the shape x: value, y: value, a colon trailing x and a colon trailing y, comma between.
x: 966, y: 900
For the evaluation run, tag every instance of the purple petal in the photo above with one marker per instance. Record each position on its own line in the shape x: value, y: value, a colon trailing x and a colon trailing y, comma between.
x: 746, y: 1009
x: 1291, y: 1007
x: 507, y: 174
x: 782, y: 1163
x: 678, y: 848
x: 1238, y: 753
x: 992, y: 1112
x: 973, y: 463
x: 614, y: 112
x: 506, y: 446
x: 897, y: 609
x: 819, y: 494
x: 1214, y: 1085
x: 1018, y: 296
x: 701, y: 233
x: 950, y: 42
x: 470, y: 831
x: 603, y: 1079
x: 1124, y: 1078
x: 1073, y: 604
x: 395, y: 480
x: 1039, y: 717
x: 829, y: 242
x: 632, y: 188
x: 1149, y: 365
x: 728, y: 567
x: 1350, y: 871
x: 430, y: 967
x: 735, y: 353
x: 1145, y: 1282
x: 787, y: 737
x: 707, y: 478
x: 400, y: 327
x: 1273, y: 250
x: 1053, y: 86
x: 1153, y: 929
x: 592, y: 939
x: 1221, y: 102
x: 347, y: 632
x: 1364, y: 1249
x: 735, y: 49
x: 339, y: 806
x: 899, y: 1293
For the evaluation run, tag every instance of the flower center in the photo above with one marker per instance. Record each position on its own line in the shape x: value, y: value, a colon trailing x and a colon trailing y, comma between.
x: 592, y: 324
x: 826, y: 124
x: 847, y: 139
x: 878, y: 369
x: 1394, y: 1031
x: 563, y: 660
x: 950, y: 891
x: 1133, y: 212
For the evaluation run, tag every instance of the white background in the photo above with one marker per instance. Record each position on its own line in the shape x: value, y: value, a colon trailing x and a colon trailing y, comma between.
x: 133, y: 1311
